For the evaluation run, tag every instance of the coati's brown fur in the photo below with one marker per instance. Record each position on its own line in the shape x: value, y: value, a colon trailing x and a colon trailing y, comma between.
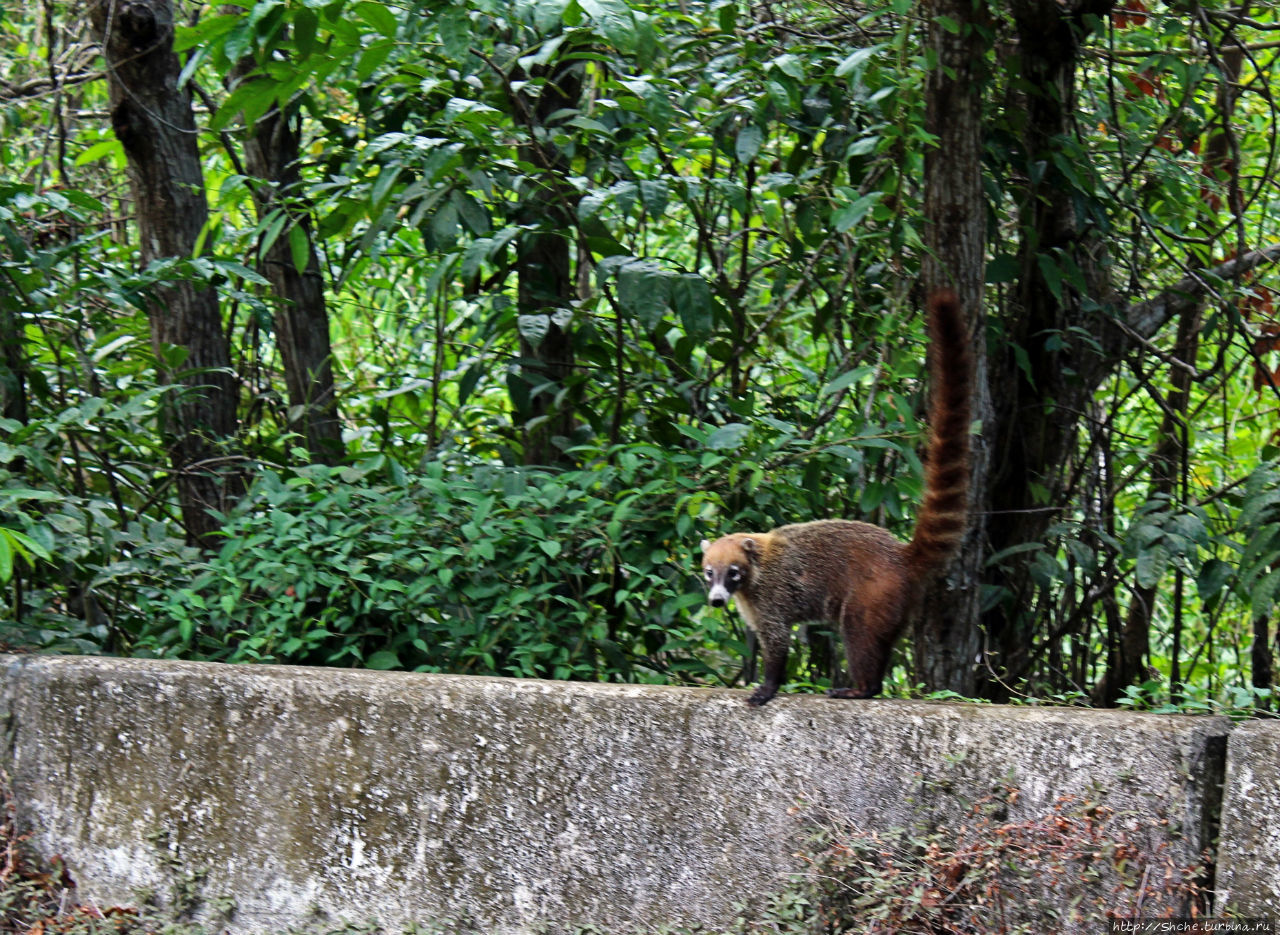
x: 856, y: 574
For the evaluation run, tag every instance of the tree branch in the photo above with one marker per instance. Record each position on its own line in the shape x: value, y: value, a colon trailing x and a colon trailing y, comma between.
x: 1144, y: 319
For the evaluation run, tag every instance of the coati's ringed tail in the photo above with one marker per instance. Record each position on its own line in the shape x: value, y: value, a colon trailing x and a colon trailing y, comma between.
x: 856, y: 574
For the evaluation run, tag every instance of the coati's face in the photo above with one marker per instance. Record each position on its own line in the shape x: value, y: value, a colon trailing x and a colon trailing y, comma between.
x: 727, y: 564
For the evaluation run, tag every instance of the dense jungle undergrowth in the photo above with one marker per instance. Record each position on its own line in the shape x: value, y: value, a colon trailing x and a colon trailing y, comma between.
x: 435, y: 336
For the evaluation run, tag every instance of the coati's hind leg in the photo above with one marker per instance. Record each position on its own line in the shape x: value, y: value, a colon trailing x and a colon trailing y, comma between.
x: 868, y: 638
x: 774, y: 649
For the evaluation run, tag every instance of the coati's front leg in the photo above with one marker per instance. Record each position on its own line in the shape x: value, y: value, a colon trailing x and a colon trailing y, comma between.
x: 774, y: 648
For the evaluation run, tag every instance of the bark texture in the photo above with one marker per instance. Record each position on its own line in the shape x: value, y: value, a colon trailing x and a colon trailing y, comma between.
x: 1038, y: 400
x: 301, y: 317
x: 152, y: 118
x: 945, y: 637
x: 544, y: 269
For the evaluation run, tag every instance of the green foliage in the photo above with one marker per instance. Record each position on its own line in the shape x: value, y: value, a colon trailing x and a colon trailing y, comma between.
x: 507, y: 571
x: 739, y: 189
x: 582, y: 574
x: 1234, y: 701
x: 1258, y: 572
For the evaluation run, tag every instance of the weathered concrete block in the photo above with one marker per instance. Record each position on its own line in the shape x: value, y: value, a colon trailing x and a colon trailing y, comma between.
x: 413, y: 797
x: 1248, y: 879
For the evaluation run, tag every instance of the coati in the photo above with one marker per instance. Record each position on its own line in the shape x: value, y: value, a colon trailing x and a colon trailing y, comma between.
x: 856, y: 574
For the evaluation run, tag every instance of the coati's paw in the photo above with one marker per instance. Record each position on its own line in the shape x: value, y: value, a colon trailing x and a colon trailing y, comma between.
x: 760, y: 696
x: 851, y: 693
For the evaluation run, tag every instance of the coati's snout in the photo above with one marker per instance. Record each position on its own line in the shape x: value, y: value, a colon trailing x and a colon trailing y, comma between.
x: 726, y: 567
x: 721, y: 583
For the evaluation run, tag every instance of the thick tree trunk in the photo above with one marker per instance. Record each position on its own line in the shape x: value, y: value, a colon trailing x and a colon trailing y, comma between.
x: 1039, y: 398
x: 152, y: 118
x: 301, y: 317
x: 946, y: 641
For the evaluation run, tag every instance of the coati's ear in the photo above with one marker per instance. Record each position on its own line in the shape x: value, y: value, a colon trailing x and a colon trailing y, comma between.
x: 751, y: 547
x: 706, y: 544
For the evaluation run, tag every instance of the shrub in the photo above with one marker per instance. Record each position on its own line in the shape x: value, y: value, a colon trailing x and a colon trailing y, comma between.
x: 582, y: 574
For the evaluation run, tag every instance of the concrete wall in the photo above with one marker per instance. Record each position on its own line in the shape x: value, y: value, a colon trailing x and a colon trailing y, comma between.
x: 1249, y: 851
x: 401, y: 797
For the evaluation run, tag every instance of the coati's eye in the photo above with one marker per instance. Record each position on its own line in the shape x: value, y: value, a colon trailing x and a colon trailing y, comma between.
x: 708, y: 573
x: 734, y: 572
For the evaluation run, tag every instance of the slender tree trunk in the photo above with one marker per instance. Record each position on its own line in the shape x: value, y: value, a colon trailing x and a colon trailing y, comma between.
x: 1128, y: 665
x: 1261, y: 658
x: 13, y: 365
x: 301, y: 317
x: 152, y: 118
x: 544, y: 270
x: 946, y: 640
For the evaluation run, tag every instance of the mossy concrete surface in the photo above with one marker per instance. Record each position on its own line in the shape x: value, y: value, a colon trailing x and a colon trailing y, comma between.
x: 1248, y: 878
x: 304, y: 793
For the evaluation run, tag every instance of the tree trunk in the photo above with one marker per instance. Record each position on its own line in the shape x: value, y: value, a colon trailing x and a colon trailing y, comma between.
x: 1038, y: 399
x: 301, y: 317
x: 13, y: 366
x: 946, y: 640
x: 544, y: 270
x: 1261, y: 659
x: 1128, y: 665
x: 152, y: 118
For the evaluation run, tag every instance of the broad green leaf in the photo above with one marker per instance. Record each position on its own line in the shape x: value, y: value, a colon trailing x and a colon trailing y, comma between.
x: 1002, y: 268
x: 472, y: 214
x: 533, y: 328
x: 305, y: 25
x: 691, y: 298
x: 101, y: 150
x: 614, y: 19
x: 454, y: 29
x: 846, y: 379
x: 378, y: 16
x: 373, y: 57
x: 299, y: 247
x: 272, y: 225
x: 6, y: 555
x: 728, y: 437
x: 747, y: 145
x: 1214, y: 575
x: 1052, y: 275
x: 856, y: 59
x: 1262, y: 597
x: 653, y: 195
x: 854, y: 212
x: 643, y: 289
x: 1151, y: 565
x: 383, y: 660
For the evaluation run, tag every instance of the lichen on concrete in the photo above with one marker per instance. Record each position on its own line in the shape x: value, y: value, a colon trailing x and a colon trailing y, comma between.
x: 1248, y: 871
x: 521, y: 803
